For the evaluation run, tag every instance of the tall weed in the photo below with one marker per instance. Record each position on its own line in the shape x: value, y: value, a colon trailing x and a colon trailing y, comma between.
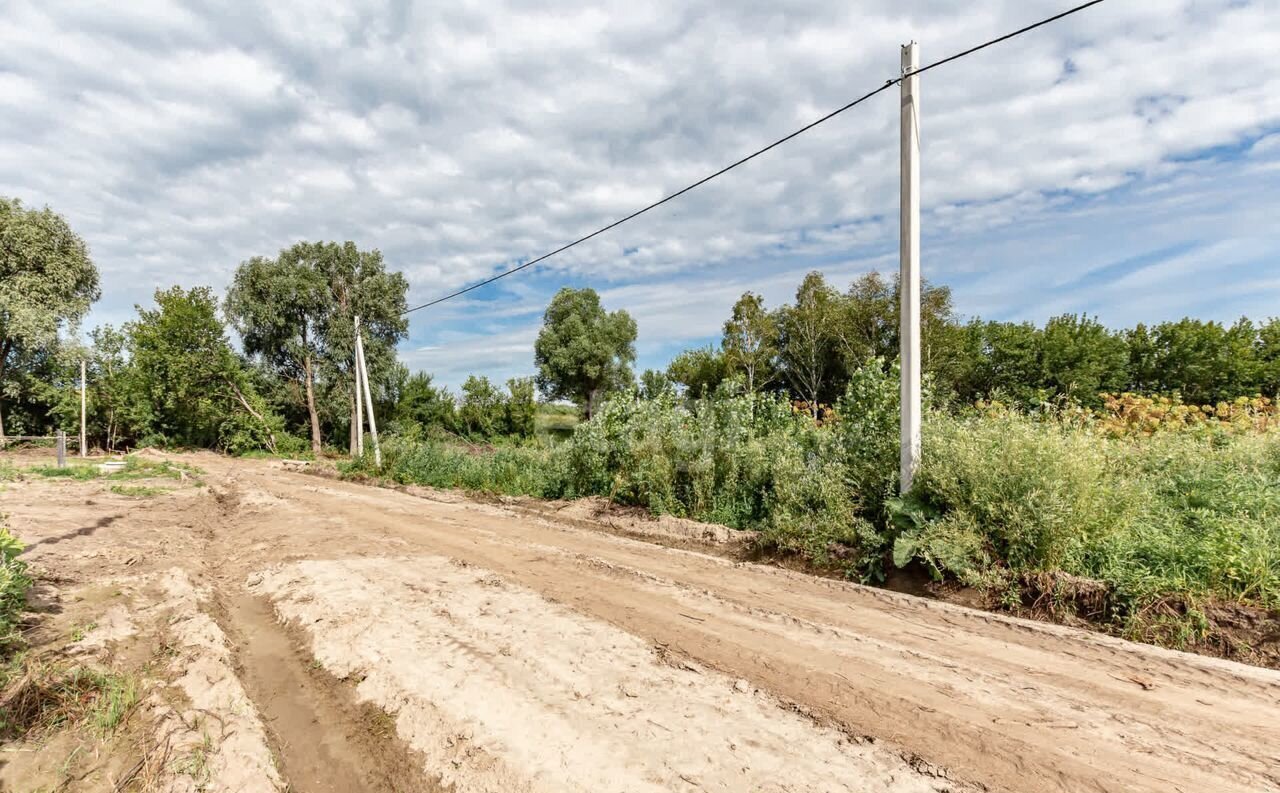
x: 14, y: 583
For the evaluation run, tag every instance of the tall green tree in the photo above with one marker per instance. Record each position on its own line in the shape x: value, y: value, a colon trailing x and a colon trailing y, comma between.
x: 296, y: 312
x: 425, y: 404
x: 1144, y: 364
x: 1206, y: 361
x: 47, y: 283
x: 480, y: 412
x: 750, y: 341
x: 582, y: 351
x: 1081, y: 358
x: 868, y: 321
x: 807, y: 349
x: 655, y: 383
x: 700, y: 370
x: 1268, y: 356
x: 520, y: 409
x: 1002, y: 360
x: 195, y: 390
x: 867, y: 328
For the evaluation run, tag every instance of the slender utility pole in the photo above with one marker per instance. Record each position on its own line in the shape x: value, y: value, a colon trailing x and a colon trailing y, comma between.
x: 909, y: 253
x: 83, y: 438
x: 359, y: 404
x: 368, y: 398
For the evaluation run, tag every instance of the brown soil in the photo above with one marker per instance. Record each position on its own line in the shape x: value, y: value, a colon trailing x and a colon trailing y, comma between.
x: 446, y: 642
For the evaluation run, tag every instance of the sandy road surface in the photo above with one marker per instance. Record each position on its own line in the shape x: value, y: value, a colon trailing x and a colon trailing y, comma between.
x: 519, y: 654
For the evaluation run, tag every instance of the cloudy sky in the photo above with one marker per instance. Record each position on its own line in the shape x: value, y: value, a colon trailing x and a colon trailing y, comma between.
x: 1124, y: 162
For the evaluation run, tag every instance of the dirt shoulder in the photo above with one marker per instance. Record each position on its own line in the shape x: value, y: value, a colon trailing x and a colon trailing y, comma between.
x: 481, y: 648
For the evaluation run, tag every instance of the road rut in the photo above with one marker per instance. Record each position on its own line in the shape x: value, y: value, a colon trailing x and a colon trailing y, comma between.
x: 980, y: 699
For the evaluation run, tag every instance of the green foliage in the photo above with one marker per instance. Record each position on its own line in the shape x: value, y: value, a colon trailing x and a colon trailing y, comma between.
x: 486, y: 413
x: 654, y: 384
x: 506, y: 470
x: 481, y: 411
x: 193, y: 388
x: 72, y: 471
x: 47, y: 283
x: 138, y: 491
x: 1082, y: 359
x: 1004, y: 495
x: 295, y: 314
x: 14, y: 583
x: 117, y: 694
x: 423, y: 404
x: 808, y: 340
x: 520, y: 408
x: 700, y: 371
x: 750, y: 342
x: 582, y: 352
x: 134, y: 468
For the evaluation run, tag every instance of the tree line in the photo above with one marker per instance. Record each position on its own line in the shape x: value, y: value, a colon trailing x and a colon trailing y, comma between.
x: 811, y: 347
x: 173, y: 376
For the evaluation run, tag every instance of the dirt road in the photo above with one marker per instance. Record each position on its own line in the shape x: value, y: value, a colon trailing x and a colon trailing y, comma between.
x: 391, y: 641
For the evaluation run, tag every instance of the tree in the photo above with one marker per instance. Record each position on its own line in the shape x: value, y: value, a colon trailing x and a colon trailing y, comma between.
x: 700, y: 370
x: 520, y: 412
x: 1002, y: 360
x: 1204, y: 361
x: 582, y: 352
x: 295, y: 312
x: 750, y: 341
x: 481, y: 411
x: 807, y: 344
x: 655, y: 383
x: 47, y: 282
x: 868, y: 325
x: 116, y: 410
x: 1144, y: 364
x: 1268, y: 356
x: 425, y: 404
x: 1080, y: 358
x: 194, y: 388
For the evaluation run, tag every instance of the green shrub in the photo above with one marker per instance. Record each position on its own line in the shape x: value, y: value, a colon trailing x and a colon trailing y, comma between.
x: 14, y: 583
x: 506, y: 470
x: 1185, y: 514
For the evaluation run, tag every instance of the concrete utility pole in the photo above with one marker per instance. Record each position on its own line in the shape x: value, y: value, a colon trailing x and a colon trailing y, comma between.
x: 83, y: 437
x: 368, y: 398
x: 909, y: 254
x: 359, y: 404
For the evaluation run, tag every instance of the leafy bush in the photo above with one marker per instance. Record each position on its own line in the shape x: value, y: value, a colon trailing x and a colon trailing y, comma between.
x: 507, y: 470
x: 14, y: 583
x: 1193, y: 513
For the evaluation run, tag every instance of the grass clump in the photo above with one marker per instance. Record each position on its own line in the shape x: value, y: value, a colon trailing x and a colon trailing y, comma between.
x: 138, y: 491
x: 503, y: 470
x: 78, y: 471
x: 50, y: 697
x: 134, y: 468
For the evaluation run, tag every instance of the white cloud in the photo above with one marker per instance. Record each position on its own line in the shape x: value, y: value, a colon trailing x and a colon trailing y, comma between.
x: 180, y: 139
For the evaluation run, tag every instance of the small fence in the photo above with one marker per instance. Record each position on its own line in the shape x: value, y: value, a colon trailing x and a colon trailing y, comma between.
x: 60, y: 443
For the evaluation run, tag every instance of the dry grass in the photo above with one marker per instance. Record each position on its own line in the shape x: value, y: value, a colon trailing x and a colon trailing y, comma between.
x: 47, y: 697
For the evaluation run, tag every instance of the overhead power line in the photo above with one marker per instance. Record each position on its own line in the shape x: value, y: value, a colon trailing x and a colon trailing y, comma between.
x: 887, y: 85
